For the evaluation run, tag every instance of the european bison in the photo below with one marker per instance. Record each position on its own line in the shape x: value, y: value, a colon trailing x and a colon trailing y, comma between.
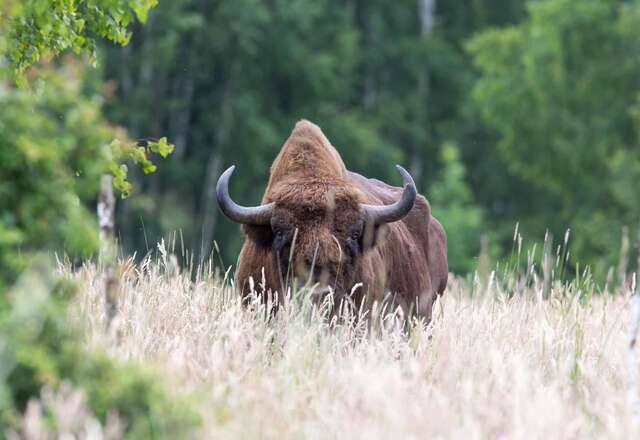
x: 351, y: 236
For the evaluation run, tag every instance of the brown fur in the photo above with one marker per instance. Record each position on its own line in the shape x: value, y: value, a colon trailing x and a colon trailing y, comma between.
x: 317, y: 199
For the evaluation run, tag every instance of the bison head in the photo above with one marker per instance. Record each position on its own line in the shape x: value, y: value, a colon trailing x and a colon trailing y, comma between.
x: 319, y: 230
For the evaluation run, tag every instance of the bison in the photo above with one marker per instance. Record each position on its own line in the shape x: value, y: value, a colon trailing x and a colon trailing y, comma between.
x: 322, y: 225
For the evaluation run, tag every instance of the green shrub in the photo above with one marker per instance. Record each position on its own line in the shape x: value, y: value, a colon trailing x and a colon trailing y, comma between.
x: 453, y: 205
x: 53, y: 148
x: 38, y: 348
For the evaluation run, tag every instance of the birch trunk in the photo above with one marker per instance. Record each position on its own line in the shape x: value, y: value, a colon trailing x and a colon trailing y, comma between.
x: 632, y: 359
x: 106, y: 222
x: 426, y: 11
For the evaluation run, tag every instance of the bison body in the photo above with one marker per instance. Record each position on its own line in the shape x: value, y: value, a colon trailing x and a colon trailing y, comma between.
x: 346, y: 235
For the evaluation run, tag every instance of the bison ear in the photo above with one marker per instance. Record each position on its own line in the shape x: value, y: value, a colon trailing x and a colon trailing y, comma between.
x: 373, y: 235
x: 262, y: 235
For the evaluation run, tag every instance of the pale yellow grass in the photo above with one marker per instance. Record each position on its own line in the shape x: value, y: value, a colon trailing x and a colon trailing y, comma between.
x: 488, y: 366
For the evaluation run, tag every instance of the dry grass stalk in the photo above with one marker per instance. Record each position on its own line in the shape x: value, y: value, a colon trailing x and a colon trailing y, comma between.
x: 64, y: 414
x: 500, y: 365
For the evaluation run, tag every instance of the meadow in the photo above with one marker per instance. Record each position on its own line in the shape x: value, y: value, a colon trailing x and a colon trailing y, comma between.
x: 510, y: 356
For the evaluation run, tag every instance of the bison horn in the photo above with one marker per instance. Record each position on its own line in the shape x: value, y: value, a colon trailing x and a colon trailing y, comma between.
x: 395, y: 211
x: 257, y: 215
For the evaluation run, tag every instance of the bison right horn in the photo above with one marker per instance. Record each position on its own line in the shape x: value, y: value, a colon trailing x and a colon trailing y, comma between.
x: 396, y: 211
x: 255, y: 215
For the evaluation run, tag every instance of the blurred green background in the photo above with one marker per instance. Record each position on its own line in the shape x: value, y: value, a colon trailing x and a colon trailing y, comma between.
x: 504, y: 111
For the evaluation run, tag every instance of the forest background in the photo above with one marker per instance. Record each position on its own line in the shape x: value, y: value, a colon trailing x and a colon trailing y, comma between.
x: 505, y: 112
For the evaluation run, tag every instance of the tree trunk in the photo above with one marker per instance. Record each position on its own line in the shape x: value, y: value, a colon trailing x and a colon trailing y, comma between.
x: 210, y: 211
x: 361, y: 16
x: 426, y: 11
x: 180, y: 118
x: 106, y: 222
x: 623, y: 261
x: 633, y: 393
x: 126, y: 81
x: 214, y: 164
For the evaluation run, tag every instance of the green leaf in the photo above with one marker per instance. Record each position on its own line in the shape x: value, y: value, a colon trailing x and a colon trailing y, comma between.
x: 162, y: 147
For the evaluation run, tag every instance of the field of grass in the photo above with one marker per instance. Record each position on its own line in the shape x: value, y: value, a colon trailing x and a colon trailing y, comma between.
x: 498, y: 361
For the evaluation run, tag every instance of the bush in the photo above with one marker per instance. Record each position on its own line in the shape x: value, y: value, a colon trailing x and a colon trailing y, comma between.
x: 39, y: 349
x: 453, y: 205
x: 53, y: 148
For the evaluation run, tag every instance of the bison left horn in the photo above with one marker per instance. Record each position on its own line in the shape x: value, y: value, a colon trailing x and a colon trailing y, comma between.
x: 255, y: 215
x: 396, y: 211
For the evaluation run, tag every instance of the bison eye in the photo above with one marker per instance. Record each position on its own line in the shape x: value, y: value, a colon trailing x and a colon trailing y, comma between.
x: 353, y: 245
x: 354, y: 234
x: 280, y: 239
x: 355, y: 230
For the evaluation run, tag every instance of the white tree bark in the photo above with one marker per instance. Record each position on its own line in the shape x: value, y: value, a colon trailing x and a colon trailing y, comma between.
x: 623, y: 261
x: 632, y: 361
x: 427, y: 10
x: 106, y: 222
x: 106, y: 214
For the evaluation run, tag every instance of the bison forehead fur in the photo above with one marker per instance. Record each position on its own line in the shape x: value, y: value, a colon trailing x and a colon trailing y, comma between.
x: 319, y: 231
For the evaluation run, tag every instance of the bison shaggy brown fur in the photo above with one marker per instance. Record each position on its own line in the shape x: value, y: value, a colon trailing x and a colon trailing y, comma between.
x: 319, y: 225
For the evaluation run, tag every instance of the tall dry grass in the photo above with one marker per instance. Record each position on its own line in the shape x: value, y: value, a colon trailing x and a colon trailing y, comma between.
x: 519, y: 358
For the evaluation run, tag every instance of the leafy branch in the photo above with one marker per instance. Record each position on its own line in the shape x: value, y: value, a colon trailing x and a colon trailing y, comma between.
x: 36, y: 28
x: 39, y: 27
x: 139, y: 154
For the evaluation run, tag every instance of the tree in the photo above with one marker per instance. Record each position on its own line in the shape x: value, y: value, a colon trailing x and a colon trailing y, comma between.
x: 560, y: 90
x: 55, y: 143
x: 452, y: 204
x: 39, y: 27
x: 231, y: 78
x: 55, y: 140
x: 53, y: 149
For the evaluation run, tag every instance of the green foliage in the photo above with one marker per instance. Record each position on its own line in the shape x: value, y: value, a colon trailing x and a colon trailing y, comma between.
x: 55, y: 142
x: 231, y: 78
x: 38, y: 347
x: 53, y: 148
x: 138, y: 154
x: 452, y: 204
x: 41, y: 27
x: 560, y: 89
x: 546, y: 129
